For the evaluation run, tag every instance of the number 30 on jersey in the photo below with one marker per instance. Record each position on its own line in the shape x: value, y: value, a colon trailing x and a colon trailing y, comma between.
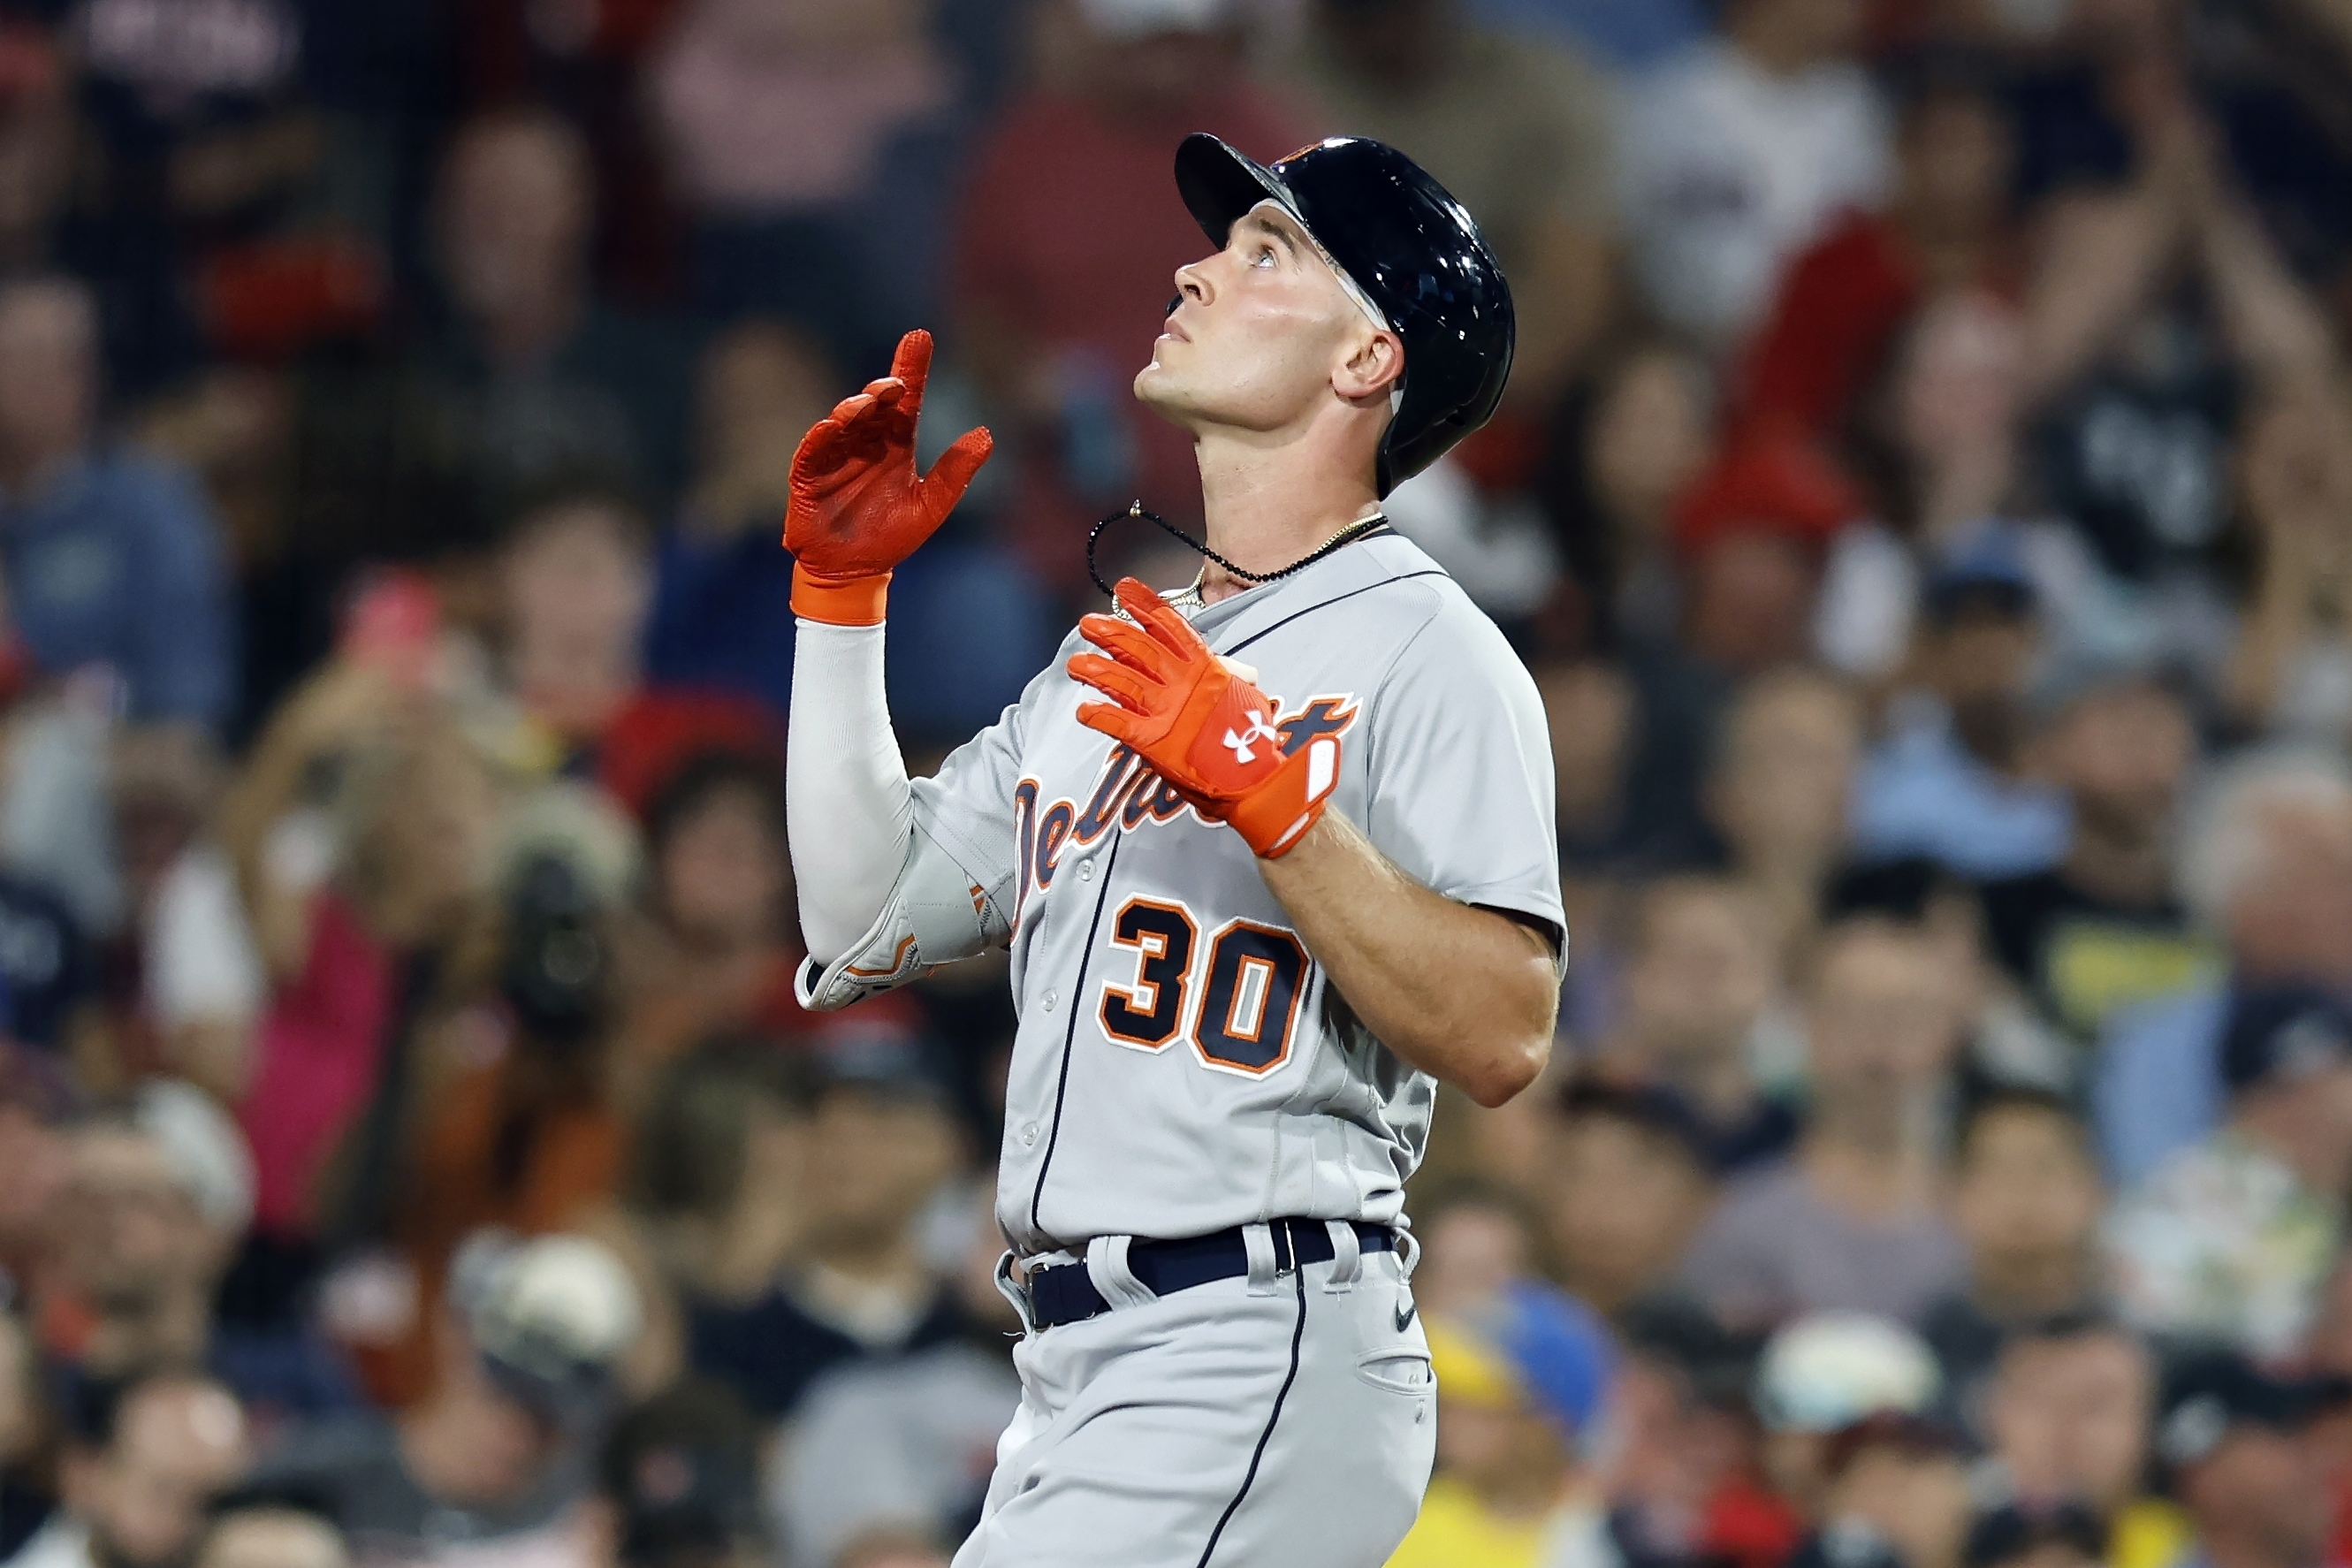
x: 1233, y: 998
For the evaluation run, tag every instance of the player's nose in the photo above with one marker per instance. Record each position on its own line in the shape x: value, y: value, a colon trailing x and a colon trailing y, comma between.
x: 1192, y: 283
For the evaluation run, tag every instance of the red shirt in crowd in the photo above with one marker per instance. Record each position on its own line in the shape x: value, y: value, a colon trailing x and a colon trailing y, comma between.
x: 1070, y: 234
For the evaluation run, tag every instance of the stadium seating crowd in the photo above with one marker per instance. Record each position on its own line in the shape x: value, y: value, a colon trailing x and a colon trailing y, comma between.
x: 1924, y: 498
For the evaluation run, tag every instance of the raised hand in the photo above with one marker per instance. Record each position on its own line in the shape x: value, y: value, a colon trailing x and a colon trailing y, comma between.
x: 1202, y: 723
x: 857, y: 506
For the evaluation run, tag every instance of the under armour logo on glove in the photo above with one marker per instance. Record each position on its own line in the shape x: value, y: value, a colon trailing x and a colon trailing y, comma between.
x: 1259, y: 730
x: 1171, y: 701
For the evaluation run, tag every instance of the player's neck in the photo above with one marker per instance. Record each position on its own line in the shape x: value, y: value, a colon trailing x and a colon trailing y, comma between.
x: 1268, y: 506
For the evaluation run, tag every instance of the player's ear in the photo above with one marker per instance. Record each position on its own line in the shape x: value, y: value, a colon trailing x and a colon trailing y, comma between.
x: 1375, y: 363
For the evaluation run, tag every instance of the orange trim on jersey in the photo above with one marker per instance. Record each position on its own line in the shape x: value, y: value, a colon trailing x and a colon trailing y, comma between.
x: 898, y: 961
x: 1147, y: 955
x: 1290, y: 1017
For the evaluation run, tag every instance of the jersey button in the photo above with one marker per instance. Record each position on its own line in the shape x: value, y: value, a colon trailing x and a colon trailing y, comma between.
x: 1029, y: 1136
x: 1086, y: 870
x: 1052, y: 998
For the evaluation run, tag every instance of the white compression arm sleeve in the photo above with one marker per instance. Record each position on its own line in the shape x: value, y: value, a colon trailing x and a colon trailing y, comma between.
x: 847, y: 807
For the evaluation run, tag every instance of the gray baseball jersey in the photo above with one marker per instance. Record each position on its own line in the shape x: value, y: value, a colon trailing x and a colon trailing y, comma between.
x: 1181, y: 1065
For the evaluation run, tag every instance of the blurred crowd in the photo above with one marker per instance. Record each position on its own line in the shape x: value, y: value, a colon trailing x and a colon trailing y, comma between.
x: 1923, y: 496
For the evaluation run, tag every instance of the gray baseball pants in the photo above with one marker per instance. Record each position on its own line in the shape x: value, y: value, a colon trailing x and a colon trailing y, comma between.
x: 1272, y: 1421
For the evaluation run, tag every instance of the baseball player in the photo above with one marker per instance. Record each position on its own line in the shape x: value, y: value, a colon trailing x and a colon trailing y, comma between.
x: 1274, y: 855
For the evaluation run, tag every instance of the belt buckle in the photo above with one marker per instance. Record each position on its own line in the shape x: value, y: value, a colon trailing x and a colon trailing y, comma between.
x: 1286, y: 1249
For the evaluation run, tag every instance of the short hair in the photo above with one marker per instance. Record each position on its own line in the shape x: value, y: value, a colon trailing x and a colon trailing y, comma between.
x: 703, y: 777
x: 576, y: 491
x: 2072, y: 1327
x: 1654, y: 896
x: 1655, y: 1110
x: 1902, y: 891
x: 1773, y: 685
x: 555, y: 129
x: 2026, y: 1099
x: 2224, y: 849
x: 95, y: 1407
x: 692, y: 1137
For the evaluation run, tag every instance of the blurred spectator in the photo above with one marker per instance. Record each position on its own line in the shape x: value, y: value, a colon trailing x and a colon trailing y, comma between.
x: 1524, y: 1388
x: 1697, y: 989
x: 50, y: 972
x: 1896, y: 1493
x: 1737, y: 152
x: 2027, y: 1200
x: 1476, y: 1241
x: 1624, y: 35
x: 1844, y: 300
x: 2102, y: 929
x: 48, y: 225
x: 2291, y: 673
x: 1055, y: 315
x: 1948, y: 781
x: 2233, y: 1444
x: 882, y: 1143
x: 1626, y: 1185
x: 677, y: 1484
x: 573, y: 585
x: 718, y: 1196
x: 1519, y: 129
x: 2064, y: 1535
x: 718, y: 950
x: 137, y: 1473
x: 906, y: 1442
x: 1629, y: 437
x: 359, y: 828
x: 780, y: 122
x: 2152, y: 306
x: 27, y: 1483
x: 1686, y: 1477
x: 1849, y: 1221
x: 268, y: 1536
x: 496, y: 1455
x: 544, y: 382
x: 2230, y: 1240
x: 1779, y: 793
x: 722, y: 614
x: 199, y: 981
x: 522, y: 1130
x: 1940, y: 445
x: 36, y: 1097
x: 2266, y: 866
x: 1823, y: 1374
x: 2067, y: 1416
x: 1757, y: 531
x: 161, y: 1199
x: 112, y: 559
x: 2009, y: 1046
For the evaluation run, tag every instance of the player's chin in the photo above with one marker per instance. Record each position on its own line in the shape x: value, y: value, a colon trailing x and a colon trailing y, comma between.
x: 1160, y: 389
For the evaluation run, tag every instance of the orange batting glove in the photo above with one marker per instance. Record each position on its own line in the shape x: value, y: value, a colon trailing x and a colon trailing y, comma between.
x: 858, y: 510
x: 1202, y: 723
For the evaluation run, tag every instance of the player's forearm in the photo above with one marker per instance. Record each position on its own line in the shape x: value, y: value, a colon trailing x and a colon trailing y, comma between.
x: 847, y: 807
x: 1465, y: 994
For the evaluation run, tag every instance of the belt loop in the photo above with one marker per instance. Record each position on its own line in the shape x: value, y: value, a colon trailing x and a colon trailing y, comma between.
x: 1408, y: 1248
x: 1257, y: 1241
x: 1014, y: 1292
x: 1108, y: 1267
x: 1347, y: 1257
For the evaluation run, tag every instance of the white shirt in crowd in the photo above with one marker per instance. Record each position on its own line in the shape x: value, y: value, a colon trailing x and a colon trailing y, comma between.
x: 1726, y: 172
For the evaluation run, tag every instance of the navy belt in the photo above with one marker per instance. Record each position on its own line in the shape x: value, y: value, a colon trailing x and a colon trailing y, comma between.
x: 1064, y: 1294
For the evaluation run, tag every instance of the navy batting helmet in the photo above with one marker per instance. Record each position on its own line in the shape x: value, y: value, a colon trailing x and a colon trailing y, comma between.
x: 1407, y: 248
